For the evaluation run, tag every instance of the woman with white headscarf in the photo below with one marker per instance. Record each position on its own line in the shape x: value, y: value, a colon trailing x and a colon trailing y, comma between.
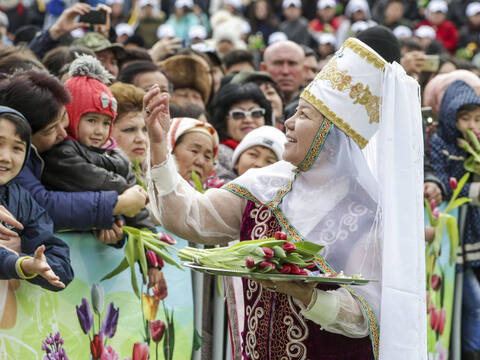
x: 325, y: 192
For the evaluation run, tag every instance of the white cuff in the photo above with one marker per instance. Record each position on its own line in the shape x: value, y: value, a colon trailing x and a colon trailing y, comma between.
x: 165, y: 176
x: 323, y: 308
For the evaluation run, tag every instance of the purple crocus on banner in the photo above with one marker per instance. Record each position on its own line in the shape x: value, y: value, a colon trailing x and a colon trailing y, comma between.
x: 109, y: 325
x: 85, y: 316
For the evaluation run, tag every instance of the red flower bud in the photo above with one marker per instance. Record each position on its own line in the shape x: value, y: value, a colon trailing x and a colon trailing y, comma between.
x: 453, y: 183
x: 289, y: 247
x: 268, y: 252
x: 302, y: 272
x: 96, y: 347
x: 250, y: 263
x: 286, y: 269
x: 265, y: 264
x: 312, y: 267
x: 442, y: 317
x: 295, y: 269
x: 432, y: 204
x: 280, y: 235
x: 160, y: 261
x: 436, y: 213
x: 435, y: 282
x: 167, y: 238
x: 152, y: 258
x: 434, y: 318
x: 157, y: 328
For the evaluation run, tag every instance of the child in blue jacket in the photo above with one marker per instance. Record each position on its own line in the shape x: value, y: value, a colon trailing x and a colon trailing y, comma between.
x: 44, y: 259
x: 459, y: 112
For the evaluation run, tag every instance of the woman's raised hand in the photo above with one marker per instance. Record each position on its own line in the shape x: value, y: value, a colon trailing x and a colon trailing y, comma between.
x: 157, y: 119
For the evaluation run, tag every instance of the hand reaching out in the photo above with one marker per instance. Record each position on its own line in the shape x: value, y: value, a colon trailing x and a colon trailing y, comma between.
x: 39, y: 265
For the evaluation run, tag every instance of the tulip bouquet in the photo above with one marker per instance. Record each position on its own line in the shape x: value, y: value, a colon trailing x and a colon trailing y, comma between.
x: 139, y: 243
x: 437, y: 305
x: 272, y: 255
x: 98, y: 342
x: 471, y: 146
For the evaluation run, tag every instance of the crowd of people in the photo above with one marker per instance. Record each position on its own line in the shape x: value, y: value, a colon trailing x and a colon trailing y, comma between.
x: 79, y: 101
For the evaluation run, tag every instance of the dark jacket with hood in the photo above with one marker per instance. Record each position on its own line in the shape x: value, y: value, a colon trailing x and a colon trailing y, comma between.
x: 447, y: 160
x: 38, y: 230
x: 71, y: 166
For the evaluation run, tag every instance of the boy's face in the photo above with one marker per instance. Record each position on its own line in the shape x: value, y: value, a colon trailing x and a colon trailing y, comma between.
x: 255, y: 157
x: 94, y: 129
x: 469, y: 120
x: 12, y: 151
x: 292, y: 13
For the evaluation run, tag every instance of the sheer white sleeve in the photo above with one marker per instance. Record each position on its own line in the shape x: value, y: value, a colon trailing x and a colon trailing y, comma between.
x: 336, y: 311
x: 211, y: 218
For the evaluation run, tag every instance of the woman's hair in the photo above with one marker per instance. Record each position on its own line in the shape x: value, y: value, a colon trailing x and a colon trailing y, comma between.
x: 129, y: 97
x: 231, y: 94
x: 464, y: 109
x: 132, y: 55
x: 130, y: 71
x: 56, y: 59
x: 38, y: 95
x: 254, y: 22
x: 16, y: 59
x: 22, y: 129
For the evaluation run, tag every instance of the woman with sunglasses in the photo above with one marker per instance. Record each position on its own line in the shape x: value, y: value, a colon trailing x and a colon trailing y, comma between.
x: 237, y: 110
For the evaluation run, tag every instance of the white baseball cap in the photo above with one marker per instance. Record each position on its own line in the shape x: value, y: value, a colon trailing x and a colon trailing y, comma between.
x: 143, y: 3
x: 472, y: 9
x: 124, y: 29
x: 182, y: 3
x: 322, y: 4
x: 197, y: 31
x: 402, y: 32
x: 288, y: 3
x: 111, y: 2
x: 437, y: 6
x: 326, y: 38
x: 267, y: 136
x: 359, y: 26
x: 276, y: 37
x: 165, y: 30
x: 425, y: 32
x: 237, y: 4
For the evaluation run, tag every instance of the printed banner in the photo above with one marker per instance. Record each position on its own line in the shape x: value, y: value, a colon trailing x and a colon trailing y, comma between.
x: 31, y: 314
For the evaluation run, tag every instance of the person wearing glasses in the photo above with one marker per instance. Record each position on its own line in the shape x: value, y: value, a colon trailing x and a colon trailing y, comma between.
x: 237, y: 110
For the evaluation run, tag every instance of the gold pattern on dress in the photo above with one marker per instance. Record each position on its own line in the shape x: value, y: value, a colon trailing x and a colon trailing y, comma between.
x: 360, y: 50
x: 342, y: 125
x: 359, y: 92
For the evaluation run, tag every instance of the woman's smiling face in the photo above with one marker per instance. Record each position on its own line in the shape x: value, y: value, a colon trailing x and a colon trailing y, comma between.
x: 301, y: 130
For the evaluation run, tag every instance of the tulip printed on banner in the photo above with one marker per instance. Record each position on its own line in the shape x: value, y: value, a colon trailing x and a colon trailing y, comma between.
x: 437, y: 301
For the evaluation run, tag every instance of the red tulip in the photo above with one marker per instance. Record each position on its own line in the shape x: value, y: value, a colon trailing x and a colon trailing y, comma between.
x: 434, y: 318
x: 286, y: 269
x: 152, y: 258
x: 250, y: 263
x: 280, y: 235
x: 140, y: 351
x: 302, y: 272
x: 167, y: 238
x: 442, y: 318
x: 157, y: 328
x: 295, y: 269
x: 268, y: 252
x: 436, y: 213
x: 429, y: 308
x: 289, y: 247
x: 109, y: 354
x: 435, y: 282
x: 312, y: 267
x: 96, y: 347
x: 160, y: 261
x: 432, y: 204
x: 453, y: 183
x: 266, y: 264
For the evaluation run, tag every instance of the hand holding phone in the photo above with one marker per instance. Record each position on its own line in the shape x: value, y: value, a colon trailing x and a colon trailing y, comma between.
x: 431, y: 63
x: 94, y: 16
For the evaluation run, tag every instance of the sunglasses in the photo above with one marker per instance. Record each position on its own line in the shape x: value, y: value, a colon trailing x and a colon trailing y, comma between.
x: 241, y: 115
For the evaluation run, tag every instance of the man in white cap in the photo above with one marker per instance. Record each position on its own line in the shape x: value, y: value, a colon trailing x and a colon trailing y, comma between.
x: 186, y: 15
x: 295, y: 25
x: 197, y: 34
x: 470, y: 32
x: 326, y: 45
x: 424, y: 35
x: 123, y: 31
x: 446, y: 31
x: 284, y: 61
x: 150, y: 19
x: 325, y: 21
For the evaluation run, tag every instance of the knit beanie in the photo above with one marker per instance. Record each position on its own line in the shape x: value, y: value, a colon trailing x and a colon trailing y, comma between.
x: 184, y: 125
x: 266, y: 136
x: 90, y: 94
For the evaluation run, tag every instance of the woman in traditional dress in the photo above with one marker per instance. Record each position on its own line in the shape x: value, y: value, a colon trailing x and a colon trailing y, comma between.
x: 323, y: 192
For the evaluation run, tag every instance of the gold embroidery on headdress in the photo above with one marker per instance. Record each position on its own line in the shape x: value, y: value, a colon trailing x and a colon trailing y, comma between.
x: 360, y: 50
x: 359, y: 92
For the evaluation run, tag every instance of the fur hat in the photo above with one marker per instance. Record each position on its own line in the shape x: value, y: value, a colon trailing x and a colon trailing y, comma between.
x: 88, y: 87
x: 189, y: 71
